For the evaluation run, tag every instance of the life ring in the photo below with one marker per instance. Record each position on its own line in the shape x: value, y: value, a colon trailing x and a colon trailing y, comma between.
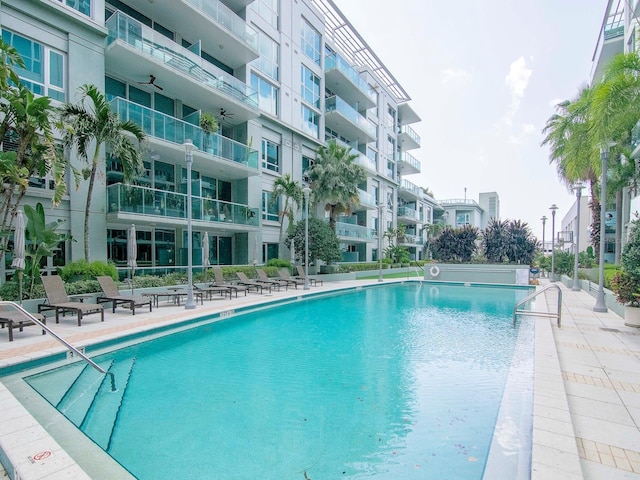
x: 434, y: 271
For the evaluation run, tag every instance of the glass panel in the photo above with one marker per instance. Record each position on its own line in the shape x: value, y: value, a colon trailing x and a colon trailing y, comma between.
x: 56, y: 72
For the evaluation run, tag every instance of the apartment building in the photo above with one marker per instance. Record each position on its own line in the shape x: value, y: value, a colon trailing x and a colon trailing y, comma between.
x: 459, y: 212
x: 282, y: 77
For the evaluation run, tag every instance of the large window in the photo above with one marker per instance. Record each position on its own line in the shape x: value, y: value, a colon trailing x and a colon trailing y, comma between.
x: 307, y: 163
x: 267, y: 63
x: 310, y: 122
x: 267, y: 94
x: 310, y: 42
x: 270, y: 155
x: 463, y: 219
x: 310, y: 87
x: 270, y: 208
x: 44, y: 67
x: 268, y: 10
x: 82, y: 6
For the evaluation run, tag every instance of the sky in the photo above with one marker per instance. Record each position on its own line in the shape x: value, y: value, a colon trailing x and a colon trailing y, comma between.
x: 485, y: 76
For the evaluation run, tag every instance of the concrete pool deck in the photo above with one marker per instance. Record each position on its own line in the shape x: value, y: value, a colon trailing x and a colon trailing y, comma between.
x: 586, y: 395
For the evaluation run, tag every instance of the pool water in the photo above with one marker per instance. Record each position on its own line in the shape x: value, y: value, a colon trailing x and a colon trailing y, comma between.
x: 394, y: 382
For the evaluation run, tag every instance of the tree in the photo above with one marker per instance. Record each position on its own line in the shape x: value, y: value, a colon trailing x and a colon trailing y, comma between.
x: 431, y: 230
x: 522, y: 244
x: 291, y: 190
x: 394, y: 251
x: 456, y: 245
x: 495, y: 240
x: 91, y: 123
x: 28, y: 144
x: 334, y: 180
x: 574, y: 151
x: 323, y: 242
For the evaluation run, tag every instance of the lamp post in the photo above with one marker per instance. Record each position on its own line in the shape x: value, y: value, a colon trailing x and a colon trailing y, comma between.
x: 188, y: 153
x: 600, y: 306
x: 306, y: 191
x: 578, y: 186
x: 544, y: 221
x: 553, y: 208
x: 380, y: 213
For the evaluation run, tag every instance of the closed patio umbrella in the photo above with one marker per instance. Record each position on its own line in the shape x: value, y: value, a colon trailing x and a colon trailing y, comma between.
x: 132, y: 252
x: 18, y: 248
x: 205, y: 253
x: 292, y: 250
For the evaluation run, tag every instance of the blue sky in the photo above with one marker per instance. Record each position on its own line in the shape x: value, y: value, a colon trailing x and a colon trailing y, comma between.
x: 484, y: 77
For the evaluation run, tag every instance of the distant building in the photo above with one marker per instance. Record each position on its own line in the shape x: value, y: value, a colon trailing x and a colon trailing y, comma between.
x: 460, y: 212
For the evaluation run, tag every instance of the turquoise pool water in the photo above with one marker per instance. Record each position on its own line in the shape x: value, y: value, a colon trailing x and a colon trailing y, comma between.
x: 396, y: 382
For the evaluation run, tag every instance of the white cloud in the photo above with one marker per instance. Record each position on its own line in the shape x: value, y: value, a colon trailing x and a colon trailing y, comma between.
x: 516, y: 81
x: 450, y: 75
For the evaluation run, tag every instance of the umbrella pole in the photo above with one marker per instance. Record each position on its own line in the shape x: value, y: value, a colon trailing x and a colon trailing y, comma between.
x: 132, y: 281
x: 20, y: 281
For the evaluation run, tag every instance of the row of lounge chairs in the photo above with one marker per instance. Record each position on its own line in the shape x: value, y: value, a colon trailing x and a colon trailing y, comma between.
x: 58, y: 301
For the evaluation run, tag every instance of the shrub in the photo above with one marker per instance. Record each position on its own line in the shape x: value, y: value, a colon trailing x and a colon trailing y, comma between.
x: 83, y: 270
x: 279, y: 263
x: 626, y: 283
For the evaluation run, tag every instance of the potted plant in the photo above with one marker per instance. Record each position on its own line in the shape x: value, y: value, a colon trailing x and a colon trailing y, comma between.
x: 626, y: 283
x: 209, y: 126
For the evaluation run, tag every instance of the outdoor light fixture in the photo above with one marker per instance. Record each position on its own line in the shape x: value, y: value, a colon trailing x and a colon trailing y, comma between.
x: 578, y: 186
x: 188, y: 153
x: 553, y: 208
x: 306, y: 191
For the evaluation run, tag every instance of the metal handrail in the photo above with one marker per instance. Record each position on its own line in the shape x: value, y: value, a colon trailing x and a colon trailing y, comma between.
x: 63, y: 341
x: 539, y: 314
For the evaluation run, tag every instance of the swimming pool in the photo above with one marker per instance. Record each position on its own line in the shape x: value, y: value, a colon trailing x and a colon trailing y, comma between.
x: 403, y: 381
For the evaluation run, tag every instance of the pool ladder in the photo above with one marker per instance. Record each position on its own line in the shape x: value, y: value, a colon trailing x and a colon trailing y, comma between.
x: 528, y: 298
x: 63, y: 341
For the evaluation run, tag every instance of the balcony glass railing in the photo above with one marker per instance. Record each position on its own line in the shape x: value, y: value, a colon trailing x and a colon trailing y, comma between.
x: 150, y: 201
x: 348, y: 230
x: 407, y: 213
x: 151, y: 43
x: 336, y: 61
x: 366, y: 198
x: 407, y: 130
x: 171, y: 129
x: 410, y: 187
x: 409, y: 159
x: 223, y: 16
x: 335, y: 103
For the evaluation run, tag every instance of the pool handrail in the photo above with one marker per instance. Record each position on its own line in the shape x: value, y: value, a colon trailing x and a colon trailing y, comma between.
x: 63, y: 341
x: 539, y: 314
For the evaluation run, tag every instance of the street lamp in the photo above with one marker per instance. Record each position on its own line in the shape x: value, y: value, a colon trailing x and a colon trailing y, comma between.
x: 553, y: 209
x: 544, y: 221
x: 578, y: 186
x: 380, y: 213
x: 188, y: 153
x: 306, y: 191
x: 600, y: 306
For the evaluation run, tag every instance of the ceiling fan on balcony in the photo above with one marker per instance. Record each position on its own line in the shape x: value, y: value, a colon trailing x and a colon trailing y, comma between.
x: 152, y: 81
x: 225, y: 115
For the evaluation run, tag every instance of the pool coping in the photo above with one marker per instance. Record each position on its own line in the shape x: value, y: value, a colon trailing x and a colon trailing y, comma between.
x: 23, y: 440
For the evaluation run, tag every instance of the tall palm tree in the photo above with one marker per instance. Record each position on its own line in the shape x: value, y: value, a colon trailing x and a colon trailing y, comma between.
x: 334, y: 180
x: 574, y: 151
x: 91, y: 124
x: 291, y: 190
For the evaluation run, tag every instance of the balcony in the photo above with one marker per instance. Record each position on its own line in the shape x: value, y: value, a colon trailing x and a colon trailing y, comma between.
x: 344, y: 119
x: 407, y: 214
x: 407, y: 164
x: 354, y: 233
x: 235, y: 159
x: 137, y: 50
x: 410, y: 191
x: 408, y: 138
x: 210, y: 23
x: 149, y: 205
x: 345, y: 81
x: 610, y: 43
x: 411, y: 240
x: 367, y: 200
x: 407, y: 115
x: 365, y: 162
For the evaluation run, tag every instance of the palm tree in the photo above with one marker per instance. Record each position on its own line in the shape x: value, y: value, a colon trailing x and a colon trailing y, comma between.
x: 291, y: 190
x: 334, y: 180
x: 574, y: 151
x: 96, y: 125
x: 431, y: 230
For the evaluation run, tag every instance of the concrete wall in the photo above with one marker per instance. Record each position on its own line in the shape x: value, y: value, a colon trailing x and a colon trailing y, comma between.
x: 481, y: 273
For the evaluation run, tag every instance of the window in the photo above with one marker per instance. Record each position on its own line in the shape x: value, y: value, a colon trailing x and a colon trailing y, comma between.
x: 307, y: 163
x: 391, y: 147
x: 44, y: 70
x: 310, y: 42
x: 268, y: 10
x: 267, y: 94
x: 269, y: 251
x: 267, y: 63
x: 82, y: 6
x: 463, y: 219
x: 391, y: 118
x: 270, y: 155
x: 270, y: 209
x: 310, y: 122
x: 310, y: 90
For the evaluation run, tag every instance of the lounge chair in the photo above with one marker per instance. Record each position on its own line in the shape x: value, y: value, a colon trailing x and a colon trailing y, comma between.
x: 14, y: 318
x: 284, y: 275
x: 301, y: 274
x: 257, y: 286
x: 59, y: 301
x: 220, y: 282
x: 113, y: 295
x: 262, y: 277
x: 209, y: 291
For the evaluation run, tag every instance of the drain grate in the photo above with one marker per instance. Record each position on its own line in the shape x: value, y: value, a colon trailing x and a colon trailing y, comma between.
x: 606, y: 329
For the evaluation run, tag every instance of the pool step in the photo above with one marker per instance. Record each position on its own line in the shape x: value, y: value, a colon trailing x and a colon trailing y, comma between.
x: 102, y: 414
x: 79, y: 397
x: 54, y: 384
